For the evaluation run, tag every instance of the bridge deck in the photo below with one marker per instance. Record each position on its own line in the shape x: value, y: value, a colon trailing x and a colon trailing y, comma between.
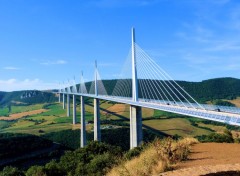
x: 215, y: 113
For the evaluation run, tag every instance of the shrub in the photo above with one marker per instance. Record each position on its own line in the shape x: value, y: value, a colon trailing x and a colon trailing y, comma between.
x: 53, y: 169
x: 157, y: 157
x: 95, y: 159
x: 36, y: 171
x: 141, y: 165
x: 216, y: 137
x: 11, y: 171
x: 237, y: 140
x: 133, y: 153
x: 100, y: 164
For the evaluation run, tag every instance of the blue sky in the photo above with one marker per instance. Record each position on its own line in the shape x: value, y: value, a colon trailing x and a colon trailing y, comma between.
x: 44, y: 42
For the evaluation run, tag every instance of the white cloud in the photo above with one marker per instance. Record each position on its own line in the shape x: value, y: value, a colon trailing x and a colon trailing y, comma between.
x: 224, y: 46
x: 11, y: 68
x: 27, y: 84
x: 232, y: 67
x: 58, y: 62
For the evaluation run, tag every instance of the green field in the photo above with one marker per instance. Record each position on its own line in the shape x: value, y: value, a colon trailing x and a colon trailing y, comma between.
x: 55, y: 126
x: 179, y: 126
x: 55, y: 119
x: 4, y: 111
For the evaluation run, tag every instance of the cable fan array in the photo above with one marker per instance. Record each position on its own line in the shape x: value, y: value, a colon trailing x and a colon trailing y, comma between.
x: 123, y: 87
x: 100, y: 87
x: 154, y: 84
x: 156, y: 89
x: 82, y: 86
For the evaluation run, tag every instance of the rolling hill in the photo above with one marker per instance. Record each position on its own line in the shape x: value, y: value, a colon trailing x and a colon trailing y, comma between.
x: 26, y: 97
x: 207, y: 90
x: 211, y: 89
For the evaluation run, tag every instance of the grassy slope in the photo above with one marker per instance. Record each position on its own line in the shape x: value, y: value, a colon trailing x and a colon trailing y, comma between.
x: 55, y: 120
x: 179, y: 126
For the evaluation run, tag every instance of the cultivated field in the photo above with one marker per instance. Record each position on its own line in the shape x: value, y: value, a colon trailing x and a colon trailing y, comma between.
x: 44, y: 118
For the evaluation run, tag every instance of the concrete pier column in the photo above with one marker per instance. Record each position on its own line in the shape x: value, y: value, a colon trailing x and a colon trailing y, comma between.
x: 68, y: 105
x: 74, y: 110
x: 83, y: 124
x: 135, y: 126
x: 63, y: 101
x: 97, y: 130
x: 59, y: 98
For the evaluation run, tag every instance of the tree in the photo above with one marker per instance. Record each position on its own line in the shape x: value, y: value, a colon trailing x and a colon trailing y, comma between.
x: 36, y: 171
x: 11, y: 171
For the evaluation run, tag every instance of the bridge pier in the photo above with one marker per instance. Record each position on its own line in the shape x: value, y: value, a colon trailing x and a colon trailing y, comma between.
x: 74, y: 110
x: 68, y: 105
x: 63, y: 101
x: 97, y: 130
x: 59, y: 97
x: 135, y: 126
x: 83, y: 124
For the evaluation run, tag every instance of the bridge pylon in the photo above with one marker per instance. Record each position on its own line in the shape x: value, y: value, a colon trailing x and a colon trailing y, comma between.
x: 135, y: 111
x: 134, y: 69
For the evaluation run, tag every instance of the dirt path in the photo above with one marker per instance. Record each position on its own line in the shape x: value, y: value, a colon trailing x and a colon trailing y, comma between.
x: 209, y: 158
x: 22, y: 114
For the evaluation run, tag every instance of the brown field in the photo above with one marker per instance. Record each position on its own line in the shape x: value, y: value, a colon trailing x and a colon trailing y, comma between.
x: 146, y: 112
x: 209, y: 158
x: 78, y: 126
x: 236, y: 102
x: 117, y: 109
x: 23, y: 114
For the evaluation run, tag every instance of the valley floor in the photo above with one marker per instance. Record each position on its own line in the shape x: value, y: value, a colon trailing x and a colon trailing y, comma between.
x: 208, y: 158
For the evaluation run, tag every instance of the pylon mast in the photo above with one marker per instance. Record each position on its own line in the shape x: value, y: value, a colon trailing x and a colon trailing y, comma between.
x: 134, y: 70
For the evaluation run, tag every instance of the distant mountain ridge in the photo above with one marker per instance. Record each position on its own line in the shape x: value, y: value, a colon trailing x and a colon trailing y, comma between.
x: 207, y: 90
x: 211, y: 89
x: 26, y: 97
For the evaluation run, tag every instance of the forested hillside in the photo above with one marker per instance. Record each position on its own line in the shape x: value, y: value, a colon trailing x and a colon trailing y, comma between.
x: 26, y: 97
x: 218, y: 88
x: 212, y: 89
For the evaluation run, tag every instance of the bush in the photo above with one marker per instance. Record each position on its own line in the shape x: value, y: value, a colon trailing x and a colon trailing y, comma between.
x: 53, y: 169
x: 133, y: 153
x: 157, y: 157
x: 237, y: 140
x: 223, y: 103
x: 216, y: 137
x: 95, y: 159
x: 36, y: 171
x: 11, y: 171
x: 100, y: 164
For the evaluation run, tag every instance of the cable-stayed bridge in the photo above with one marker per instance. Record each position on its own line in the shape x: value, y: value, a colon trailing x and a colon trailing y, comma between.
x: 142, y: 83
